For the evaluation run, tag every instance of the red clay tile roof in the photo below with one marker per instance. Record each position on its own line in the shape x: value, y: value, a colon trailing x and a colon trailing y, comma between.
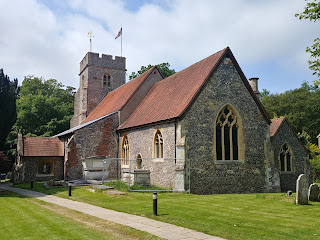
x: 43, y: 147
x: 116, y: 99
x: 169, y: 98
x: 274, y: 126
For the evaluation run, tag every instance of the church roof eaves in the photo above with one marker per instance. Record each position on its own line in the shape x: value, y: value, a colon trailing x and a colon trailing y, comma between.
x: 171, y: 97
x: 72, y: 130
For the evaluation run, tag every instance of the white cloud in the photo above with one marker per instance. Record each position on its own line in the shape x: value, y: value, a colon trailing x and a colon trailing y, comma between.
x: 46, y: 41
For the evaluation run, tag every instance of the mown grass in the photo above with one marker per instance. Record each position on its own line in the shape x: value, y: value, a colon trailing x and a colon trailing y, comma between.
x: 26, y: 218
x: 231, y: 216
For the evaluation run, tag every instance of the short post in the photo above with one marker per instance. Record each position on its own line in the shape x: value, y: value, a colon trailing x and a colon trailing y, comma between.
x: 69, y: 189
x: 155, y: 204
x: 31, y: 184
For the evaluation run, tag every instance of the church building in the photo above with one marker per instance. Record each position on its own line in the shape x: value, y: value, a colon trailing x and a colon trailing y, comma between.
x: 202, y: 130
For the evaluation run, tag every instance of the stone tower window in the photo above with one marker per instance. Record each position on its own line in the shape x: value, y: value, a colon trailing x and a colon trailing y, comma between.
x: 227, y: 135
x: 125, y: 152
x: 106, y: 80
x: 158, y: 145
x: 285, y: 159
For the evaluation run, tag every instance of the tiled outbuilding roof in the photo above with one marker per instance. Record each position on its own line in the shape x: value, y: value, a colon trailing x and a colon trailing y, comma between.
x: 274, y: 126
x: 42, y: 147
x: 169, y: 98
x: 117, y: 98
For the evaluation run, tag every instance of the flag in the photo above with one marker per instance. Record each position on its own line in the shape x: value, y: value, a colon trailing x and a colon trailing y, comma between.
x: 119, y: 34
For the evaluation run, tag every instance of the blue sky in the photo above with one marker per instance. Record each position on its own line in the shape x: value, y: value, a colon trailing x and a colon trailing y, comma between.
x: 49, y: 37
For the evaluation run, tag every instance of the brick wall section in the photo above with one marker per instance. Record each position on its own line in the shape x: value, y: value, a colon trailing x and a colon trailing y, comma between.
x: 141, y: 141
x: 95, y: 140
x: 300, y: 161
x: 30, y: 169
x: 207, y: 175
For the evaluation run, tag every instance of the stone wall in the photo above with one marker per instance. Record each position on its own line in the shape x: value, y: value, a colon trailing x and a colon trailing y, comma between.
x: 300, y: 162
x: 141, y: 141
x: 30, y: 169
x: 208, y: 176
x: 98, y: 139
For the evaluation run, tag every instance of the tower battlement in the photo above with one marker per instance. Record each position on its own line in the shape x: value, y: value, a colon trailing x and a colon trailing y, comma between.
x: 107, y: 61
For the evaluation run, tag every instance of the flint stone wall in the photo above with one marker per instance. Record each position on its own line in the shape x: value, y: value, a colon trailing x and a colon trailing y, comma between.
x: 207, y: 175
x: 141, y: 141
x: 30, y: 169
x: 300, y: 162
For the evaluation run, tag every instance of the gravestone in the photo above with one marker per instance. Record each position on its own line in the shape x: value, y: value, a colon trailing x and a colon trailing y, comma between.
x: 302, y: 190
x: 313, y: 192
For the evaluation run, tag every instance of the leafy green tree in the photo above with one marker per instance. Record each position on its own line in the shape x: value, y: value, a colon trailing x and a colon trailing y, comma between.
x: 314, y: 153
x: 163, y: 67
x: 8, y: 94
x: 300, y: 106
x: 45, y: 107
x: 312, y: 12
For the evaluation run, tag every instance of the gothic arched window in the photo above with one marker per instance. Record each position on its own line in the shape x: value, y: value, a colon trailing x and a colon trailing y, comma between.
x: 285, y: 159
x: 139, y: 162
x: 227, y: 135
x: 158, y: 145
x: 125, y: 151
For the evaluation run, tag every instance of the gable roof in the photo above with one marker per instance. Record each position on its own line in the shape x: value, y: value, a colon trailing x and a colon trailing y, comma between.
x: 117, y: 98
x: 275, y: 125
x: 169, y: 98
x: 42, y: 147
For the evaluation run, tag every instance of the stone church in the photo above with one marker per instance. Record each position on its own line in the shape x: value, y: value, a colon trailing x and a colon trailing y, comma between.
x: 202, y: 130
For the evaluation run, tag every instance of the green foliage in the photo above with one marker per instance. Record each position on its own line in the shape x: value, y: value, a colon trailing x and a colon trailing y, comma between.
x: 312, y: 12
x: 8, y: 94
x: 163, y: 67
x: 45, y: 107
x: 300, y: 106
x: 264, y: 93
x: 314, y: 153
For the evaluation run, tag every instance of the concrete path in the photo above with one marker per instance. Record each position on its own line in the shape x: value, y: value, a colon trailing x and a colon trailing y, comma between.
x: 157, y: 228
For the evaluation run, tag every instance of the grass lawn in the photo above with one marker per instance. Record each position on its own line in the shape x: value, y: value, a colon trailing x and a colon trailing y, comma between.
x: 26, y: 218
x: 231, y: 216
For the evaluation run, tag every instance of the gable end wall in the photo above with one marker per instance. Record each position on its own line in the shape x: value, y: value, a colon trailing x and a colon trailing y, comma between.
x: 225, y: 86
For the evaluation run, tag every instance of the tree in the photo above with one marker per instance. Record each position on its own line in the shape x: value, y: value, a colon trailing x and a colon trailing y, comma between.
x: 45, y: 107
x: 312, y: 12
x: 300, y: 106
x: 8, y: 94
x: 163, y: 67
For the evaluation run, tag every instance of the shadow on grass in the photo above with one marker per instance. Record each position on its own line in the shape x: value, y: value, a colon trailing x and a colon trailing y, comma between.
x: 38, y: 187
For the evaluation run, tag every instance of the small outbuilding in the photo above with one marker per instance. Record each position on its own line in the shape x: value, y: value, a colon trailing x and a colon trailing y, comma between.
x: 38, y: 159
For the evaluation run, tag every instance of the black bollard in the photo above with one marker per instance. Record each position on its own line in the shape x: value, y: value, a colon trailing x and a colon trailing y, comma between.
x: 69, y: 189
x: 155, y: 204
x: 31, y: 184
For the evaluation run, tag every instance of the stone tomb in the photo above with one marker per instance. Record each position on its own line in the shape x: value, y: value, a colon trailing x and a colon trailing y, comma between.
x: 302, y: 190
x: 313, y: 193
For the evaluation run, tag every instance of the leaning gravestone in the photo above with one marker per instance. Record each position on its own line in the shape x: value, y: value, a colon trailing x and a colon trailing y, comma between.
x: 302, y: 190
x: 313, y: 192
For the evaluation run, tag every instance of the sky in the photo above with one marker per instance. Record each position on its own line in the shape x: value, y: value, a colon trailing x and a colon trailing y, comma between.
x: 49, y: 38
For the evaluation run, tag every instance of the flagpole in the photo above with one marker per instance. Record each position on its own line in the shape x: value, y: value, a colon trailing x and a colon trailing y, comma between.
x: 121, y: 40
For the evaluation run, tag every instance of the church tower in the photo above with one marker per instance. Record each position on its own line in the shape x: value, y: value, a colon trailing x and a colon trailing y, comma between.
x: 98, y: 76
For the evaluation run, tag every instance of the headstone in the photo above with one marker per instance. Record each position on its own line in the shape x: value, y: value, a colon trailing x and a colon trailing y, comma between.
x: 289, y: 193
x: 302, y: 190
x: 313, y: 192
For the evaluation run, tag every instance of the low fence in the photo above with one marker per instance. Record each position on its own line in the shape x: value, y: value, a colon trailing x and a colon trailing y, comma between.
x: 168, y: 173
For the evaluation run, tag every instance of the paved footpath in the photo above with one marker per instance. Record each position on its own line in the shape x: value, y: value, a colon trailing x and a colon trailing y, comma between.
x: 157, y: 228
